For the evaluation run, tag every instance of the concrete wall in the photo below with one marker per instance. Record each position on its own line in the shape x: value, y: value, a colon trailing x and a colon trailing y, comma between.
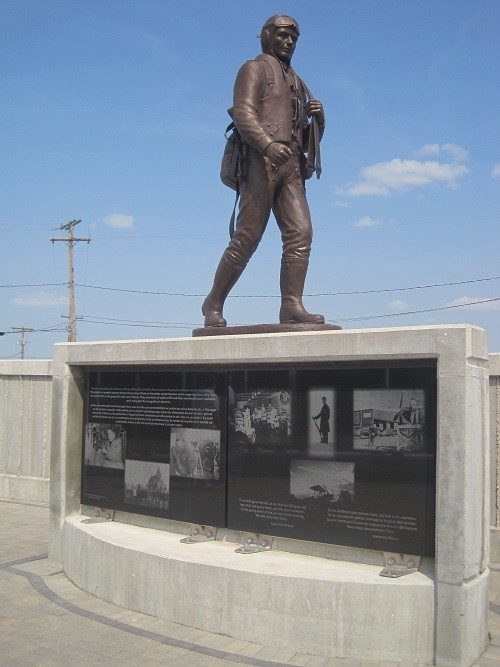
x: 25, y: 425
x: 494, y: 370
x: 108, y: 559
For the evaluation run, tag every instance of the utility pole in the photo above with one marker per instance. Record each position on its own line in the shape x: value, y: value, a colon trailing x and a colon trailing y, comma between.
x: 70, y: 241
x: 22, y: 343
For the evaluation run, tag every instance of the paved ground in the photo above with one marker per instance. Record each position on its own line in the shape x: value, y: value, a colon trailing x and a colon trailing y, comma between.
x: 46, y: 621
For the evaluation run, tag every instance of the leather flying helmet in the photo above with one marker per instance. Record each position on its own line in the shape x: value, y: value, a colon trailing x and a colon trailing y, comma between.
x: 281, y: 21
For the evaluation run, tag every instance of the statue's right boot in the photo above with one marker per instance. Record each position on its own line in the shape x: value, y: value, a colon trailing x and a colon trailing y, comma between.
x: 292, y: 280
x: 224, y: 280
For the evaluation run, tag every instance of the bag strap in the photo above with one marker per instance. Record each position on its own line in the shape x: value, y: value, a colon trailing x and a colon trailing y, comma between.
x: 230, y: 128
x: 233, y: 214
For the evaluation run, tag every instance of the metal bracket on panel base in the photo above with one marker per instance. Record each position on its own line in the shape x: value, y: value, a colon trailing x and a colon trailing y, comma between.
x: 101, y: 515
x: 200, y: 534
x: 397, y: 565
x: 255, y: 544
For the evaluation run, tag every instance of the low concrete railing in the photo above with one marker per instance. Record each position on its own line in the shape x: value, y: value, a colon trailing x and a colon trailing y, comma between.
x: 494, y: 409
x: 25, y: 424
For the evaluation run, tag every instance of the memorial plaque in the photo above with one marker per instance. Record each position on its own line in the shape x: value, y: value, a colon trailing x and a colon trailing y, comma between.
x: 341, y: 455
x: 154, y: 443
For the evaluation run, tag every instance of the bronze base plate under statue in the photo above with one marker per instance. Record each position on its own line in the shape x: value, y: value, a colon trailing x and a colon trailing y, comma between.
x: 265, y: 328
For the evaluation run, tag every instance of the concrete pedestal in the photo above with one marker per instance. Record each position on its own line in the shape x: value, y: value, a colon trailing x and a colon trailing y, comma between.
x: 310, y: 597
x: 299, y: 602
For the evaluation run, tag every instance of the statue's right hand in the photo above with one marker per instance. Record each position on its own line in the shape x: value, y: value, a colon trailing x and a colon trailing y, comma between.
x: 278, y: 153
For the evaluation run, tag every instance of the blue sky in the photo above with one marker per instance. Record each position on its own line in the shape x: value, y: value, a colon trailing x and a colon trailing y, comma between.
x: 113, y: 112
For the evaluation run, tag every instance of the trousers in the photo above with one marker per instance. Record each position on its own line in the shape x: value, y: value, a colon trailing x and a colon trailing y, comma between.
x: 267, y: 188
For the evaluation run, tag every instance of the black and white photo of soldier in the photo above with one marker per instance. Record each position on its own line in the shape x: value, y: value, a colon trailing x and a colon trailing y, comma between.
x: 324, y: 420
x: 389, y: 420
x: 105, y: 445
x: 320, y: 426
x: 313, y: 482
x: 195, y: 453
x: 147, y: 484
x: 262, y: 418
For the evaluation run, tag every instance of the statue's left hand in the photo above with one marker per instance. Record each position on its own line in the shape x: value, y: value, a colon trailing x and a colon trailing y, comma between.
x: 315, y: 108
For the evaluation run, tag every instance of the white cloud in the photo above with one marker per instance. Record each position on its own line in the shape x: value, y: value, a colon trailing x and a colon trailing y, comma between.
x: 119, y: 221
x: 40, y: 300
x: 401, y: 175
x: 397, y: 305
x: 364, y: 188
x: 455, y: 151
x: 472, y: 302
x: 341, y: 203
x: 495, y: 172
x: 367, y: 222
x: 429, y: 149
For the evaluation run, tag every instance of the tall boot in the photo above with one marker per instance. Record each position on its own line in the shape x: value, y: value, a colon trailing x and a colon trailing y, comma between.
x: 224, y: 280
x: 292, y: 279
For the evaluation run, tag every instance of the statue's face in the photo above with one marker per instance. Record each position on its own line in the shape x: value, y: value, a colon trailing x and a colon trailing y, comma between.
x: 282, y: 43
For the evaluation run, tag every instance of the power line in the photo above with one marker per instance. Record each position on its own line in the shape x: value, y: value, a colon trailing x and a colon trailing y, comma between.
x: 34, y: 285
x: 317, y: 228
x: 148, y: 324
x: 415, y: 312
x: 277, y: 296
x: 25, y: 226
x: 256, y: 296
x: 92, y: 319
x: 260, y: 296
x: 406, y: 289
x: 105, y: 320
x: 53, y: 329
x: 120, y: 323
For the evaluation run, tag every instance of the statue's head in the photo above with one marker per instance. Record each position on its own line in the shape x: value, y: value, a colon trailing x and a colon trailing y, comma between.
x: 279, y: 36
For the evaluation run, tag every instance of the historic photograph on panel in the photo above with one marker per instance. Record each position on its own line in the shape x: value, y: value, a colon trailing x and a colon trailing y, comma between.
x: 319, y: 482
x: 320, y: 424
x: 105, y: 445
x: 147, y: 484
x: 195, y: 452
x: 389, y: 420
x: 263, y: 418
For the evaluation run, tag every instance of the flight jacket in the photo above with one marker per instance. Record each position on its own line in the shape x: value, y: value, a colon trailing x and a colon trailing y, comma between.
x: 268, y: 104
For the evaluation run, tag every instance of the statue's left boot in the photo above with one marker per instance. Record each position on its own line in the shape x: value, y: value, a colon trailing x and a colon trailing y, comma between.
x: 292, y: 280
x: 225, y: 278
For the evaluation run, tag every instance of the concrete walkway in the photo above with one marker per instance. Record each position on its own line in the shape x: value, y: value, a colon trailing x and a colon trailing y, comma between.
x: 46, y: 621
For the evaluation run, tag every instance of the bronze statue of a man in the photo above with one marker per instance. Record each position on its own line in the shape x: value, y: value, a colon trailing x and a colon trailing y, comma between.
x: 270, y: 112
